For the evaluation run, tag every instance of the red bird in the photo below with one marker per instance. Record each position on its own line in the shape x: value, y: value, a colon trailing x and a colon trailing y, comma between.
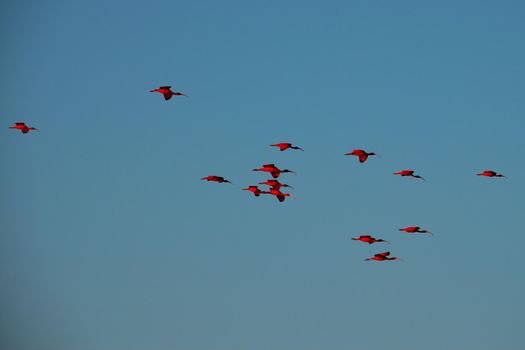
x: 166, y: 91
x: 408, y: 173
x: 414, y: 229
x: 274, y: 184
x: 272, y: 169
x: 284, y: 146
x: 363, y: 155
x: 368, y: 239
x: 255, y: 190
x: 280, y: 196
x: 218, y: 179
x: 22, y: 127
x: 490, y: 173
x: 383, y: 256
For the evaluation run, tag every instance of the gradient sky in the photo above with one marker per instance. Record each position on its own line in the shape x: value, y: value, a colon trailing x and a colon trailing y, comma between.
x: 110, y: 240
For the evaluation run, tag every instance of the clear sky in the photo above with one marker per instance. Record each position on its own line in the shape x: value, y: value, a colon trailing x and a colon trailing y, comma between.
x: 110, y: 241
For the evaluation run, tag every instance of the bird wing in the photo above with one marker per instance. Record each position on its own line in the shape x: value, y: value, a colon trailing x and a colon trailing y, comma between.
x: 20, y: 124
x: 167, y: 96
x: 165, y: 87
x: 280, y: 197
x: 268, y: 165
x: 362, y: 158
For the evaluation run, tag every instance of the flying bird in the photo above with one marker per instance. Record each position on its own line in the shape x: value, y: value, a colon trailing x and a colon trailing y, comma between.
x: 280, y: 196
x: 408, y: 173
x: 490, y: 173
x: 166, y: 91
x: 22, y: 127
x: 363, y: 155
x: 285, y: 145
x: 383, y: 256
x: 274, y: 184
x: 414, y: 229
x: 215, y: 178
x: 255, y: 190
x: 272, y: 169
x: 368, y: 239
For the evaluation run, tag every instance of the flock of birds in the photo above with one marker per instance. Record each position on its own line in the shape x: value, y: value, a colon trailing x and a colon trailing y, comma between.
x: 274, y: 186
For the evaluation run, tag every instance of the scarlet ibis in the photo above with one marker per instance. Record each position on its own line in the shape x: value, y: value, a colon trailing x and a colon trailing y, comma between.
x: 490, y: 173
x: 166, y: 91
x: 285, y: 145
x: 215, y: 178
x: 255, y: 190
x: 369, y: 239
x: 383, y: 256
x: 363, y: 155
x: 414, y: 229
x: 280, y: 196
x: 408, y: 173
x: 274, y: 184
x: 22, y: 127
x: 272, y: 169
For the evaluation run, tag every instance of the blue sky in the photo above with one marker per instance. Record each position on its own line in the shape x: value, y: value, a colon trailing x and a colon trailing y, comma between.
x: 111, y: 241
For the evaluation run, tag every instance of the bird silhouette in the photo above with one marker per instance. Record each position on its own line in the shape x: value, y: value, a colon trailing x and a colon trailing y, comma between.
x: 215, y: 178
x: 22, y: 127
x: 167, y: 93
x: 363, y: 155
x: 368, y: 239
x: 255, y: 190
x: 285, y: 145
x: 383, y: 256
x: 272, y: 169
x: 408, y: 173
x: 414, y: 229
x: 274, y: 184
x: 490, y: 173
x: 278, y: 194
